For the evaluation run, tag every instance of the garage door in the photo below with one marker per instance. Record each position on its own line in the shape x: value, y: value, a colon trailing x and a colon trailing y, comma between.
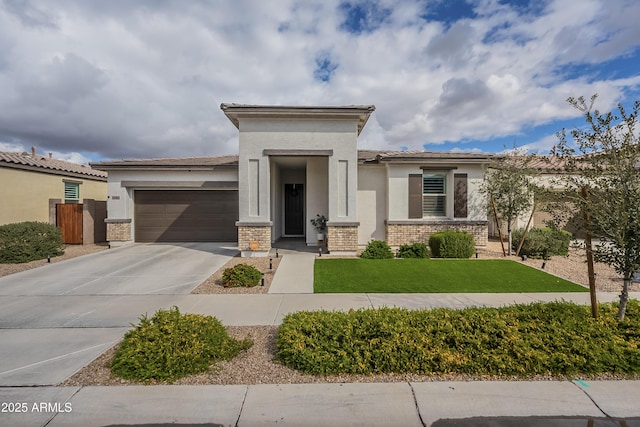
x: 186, y: 216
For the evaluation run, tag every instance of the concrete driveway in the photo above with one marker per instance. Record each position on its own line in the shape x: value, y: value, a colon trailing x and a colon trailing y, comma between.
x: 57, y: 318
x: 139, y: 269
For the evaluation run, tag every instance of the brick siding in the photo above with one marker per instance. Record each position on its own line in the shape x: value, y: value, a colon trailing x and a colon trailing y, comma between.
x: 342, y: 238
x: 254, y: 233
x: 400, y: 233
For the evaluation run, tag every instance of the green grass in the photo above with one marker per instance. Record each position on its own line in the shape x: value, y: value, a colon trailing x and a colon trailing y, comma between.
x: 433, y: 276
x: 557, y: 338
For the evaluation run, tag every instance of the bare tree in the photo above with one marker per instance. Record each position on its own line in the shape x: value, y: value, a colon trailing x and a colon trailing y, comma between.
x: 603, y: 179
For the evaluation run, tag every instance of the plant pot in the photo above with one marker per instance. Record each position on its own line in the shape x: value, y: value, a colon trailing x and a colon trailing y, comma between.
x: 320, y: 236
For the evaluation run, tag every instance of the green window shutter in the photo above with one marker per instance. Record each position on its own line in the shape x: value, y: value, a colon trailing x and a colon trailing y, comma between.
x: 71, y: 191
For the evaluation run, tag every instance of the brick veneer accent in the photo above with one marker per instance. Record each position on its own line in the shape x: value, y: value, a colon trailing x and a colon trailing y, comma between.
x: 118, y: 230
x: 254, y: 232
x: 403, y: 232
x: 342, y: 237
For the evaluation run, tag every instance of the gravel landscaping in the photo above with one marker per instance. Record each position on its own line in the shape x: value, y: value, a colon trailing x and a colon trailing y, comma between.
x: 213, y: 285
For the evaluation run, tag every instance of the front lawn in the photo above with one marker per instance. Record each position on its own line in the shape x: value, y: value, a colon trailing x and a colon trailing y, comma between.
x: 433, y: 276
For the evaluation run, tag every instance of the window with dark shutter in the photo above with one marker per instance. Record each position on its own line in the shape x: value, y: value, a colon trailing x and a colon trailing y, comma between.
x: 434, y: 194
x: 460, y: 195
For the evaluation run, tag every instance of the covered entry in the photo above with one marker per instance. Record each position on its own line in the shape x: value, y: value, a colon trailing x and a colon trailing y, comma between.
x: 186, y: 215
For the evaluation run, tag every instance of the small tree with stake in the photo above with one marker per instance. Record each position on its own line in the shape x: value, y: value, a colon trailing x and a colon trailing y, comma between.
x: 508, y: 185
x: 603, y: 180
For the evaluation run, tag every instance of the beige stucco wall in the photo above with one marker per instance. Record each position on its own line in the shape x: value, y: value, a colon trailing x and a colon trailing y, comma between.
x: 372, y: 202
x: 25, y: 194
x: 399, y: 191
x: 317, y: 194
x: 256, y: 135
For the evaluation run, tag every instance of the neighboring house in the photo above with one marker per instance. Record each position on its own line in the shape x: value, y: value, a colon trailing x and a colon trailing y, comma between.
x: 295, y: 163
x: 34, y: 188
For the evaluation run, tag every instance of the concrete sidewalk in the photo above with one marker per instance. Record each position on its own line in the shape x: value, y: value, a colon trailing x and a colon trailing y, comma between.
x: 542, y: 403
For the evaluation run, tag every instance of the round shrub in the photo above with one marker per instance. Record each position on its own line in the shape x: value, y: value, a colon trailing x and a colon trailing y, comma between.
x: 452, y: 244
x: 542, y: 242
x: 171, y: 345
x: 414, y: 250
x: 377, y: 249
x: 241, y: 275
x: 29, y: 241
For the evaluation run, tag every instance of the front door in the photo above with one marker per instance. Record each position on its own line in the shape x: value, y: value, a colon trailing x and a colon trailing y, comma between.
x: 294, y: 210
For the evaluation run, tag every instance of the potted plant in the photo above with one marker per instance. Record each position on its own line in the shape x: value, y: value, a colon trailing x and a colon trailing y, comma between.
x: 320, y: 224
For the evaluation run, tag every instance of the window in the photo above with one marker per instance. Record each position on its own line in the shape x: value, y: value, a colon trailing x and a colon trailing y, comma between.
x: 71, y: 192
x: 434, y: 194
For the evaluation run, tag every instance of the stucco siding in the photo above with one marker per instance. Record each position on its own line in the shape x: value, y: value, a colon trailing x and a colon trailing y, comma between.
x: 25, y: 194
x: 317, y: 194
x: 399, y: 191
x: 372, y: 203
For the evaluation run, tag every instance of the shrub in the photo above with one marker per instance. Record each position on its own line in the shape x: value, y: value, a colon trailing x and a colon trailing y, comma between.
x: 241, y: 275
x: 557, y: 338
x: 29, y: 241
x: 542, y: 242
x: 171, y: 345
x: 377, y: 249
x: 414, y: 250
x: 452, y: 244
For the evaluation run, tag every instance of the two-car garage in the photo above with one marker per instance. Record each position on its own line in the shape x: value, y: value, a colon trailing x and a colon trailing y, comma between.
x: 185, y: 215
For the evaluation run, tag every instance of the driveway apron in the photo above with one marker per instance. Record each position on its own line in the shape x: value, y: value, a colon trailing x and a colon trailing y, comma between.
x: 57, y: 318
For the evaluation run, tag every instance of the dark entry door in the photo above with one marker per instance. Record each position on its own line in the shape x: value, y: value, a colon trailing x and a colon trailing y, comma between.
x: 294, y: 209
x: 69, y: 219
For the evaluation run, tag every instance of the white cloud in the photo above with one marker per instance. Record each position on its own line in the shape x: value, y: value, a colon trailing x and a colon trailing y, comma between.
x: 143, y: 79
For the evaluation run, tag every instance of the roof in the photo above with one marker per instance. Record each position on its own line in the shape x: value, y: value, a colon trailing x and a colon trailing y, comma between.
x: 235, y: 112
x: 209, y: 162
x: 231, y: 161
x: 373, y: 156
x: 35, y: 162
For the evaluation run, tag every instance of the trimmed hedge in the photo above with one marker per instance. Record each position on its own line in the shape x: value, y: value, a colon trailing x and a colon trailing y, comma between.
x: 171, y: 345
x: 29, y: 241
x: 241, y: 275
x: 542, y: 242
x: 452, y: 244
x: 377, y: 249
x: 557, y: 338
x: 414, y: 250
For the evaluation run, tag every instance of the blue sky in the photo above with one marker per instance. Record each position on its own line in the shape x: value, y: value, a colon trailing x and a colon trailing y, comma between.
x: 137, y: 79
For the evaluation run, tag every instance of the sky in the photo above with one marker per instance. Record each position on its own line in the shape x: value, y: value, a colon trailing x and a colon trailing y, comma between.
x: 100, y: 80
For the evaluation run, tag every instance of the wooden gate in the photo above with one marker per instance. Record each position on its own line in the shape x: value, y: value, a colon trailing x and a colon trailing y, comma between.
x: 69, y: 219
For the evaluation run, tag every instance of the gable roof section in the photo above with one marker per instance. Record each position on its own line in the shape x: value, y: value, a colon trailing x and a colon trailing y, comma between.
x: 201, y: 163
x: 37, y: 163
x: 235, y: 112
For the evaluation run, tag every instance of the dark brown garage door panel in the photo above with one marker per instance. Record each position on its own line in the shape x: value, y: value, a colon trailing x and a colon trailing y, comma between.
x: 186, y: 216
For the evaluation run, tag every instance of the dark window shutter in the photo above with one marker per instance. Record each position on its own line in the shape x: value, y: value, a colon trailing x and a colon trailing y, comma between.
x: 415, y: 196
x: 460, y: 195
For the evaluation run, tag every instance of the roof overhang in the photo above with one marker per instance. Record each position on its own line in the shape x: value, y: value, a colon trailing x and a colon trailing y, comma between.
x: 235, y: 112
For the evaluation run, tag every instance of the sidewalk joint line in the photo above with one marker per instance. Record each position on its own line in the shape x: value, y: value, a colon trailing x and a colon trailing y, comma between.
x: 415, y: 402
x: 275, y: 318
x: 244, y: 399
x: 55, y: 414
x: 593, y: 400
